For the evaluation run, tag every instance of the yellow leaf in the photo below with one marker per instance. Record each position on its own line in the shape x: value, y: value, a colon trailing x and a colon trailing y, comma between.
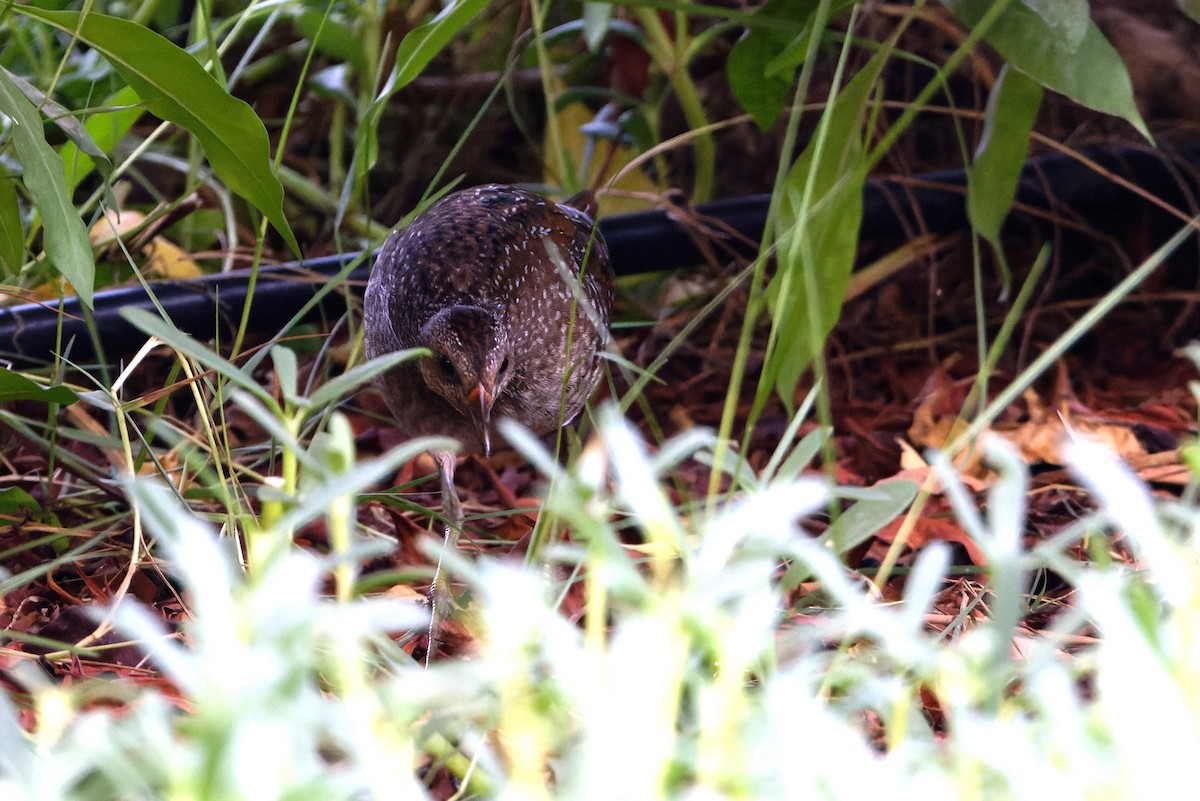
x: 167, y: 259
x: 163, y: 257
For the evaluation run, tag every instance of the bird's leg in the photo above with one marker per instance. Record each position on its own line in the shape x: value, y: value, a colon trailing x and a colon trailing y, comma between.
x: 439, y: 591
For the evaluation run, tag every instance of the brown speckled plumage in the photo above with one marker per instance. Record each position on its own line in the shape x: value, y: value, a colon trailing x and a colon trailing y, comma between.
x: 471, y: 279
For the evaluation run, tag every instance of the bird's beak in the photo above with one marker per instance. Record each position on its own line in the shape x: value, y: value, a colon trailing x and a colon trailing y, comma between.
x: 485, y: 398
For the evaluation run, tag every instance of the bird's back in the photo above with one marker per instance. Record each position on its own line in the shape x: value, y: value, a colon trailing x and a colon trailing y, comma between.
x: 488, y: 246
x: 538, y: 266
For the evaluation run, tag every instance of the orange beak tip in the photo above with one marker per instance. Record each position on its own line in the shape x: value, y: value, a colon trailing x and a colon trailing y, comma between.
x: 485, y: 398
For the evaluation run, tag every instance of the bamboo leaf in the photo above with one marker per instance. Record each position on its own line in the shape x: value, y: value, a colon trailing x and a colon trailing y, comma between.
x: 337, y: 38
x: 176, y: 88
x: 16, y: 387
x: 424, y: 42
x: 337, y: 388
x: 187, y: 345
x: 12, y: 235
x: 63, y: 233
x: 596, y: 17
x: 820, y: 212
x: 874, y: 509
x: 65, y: 119
x: 1088, y: 71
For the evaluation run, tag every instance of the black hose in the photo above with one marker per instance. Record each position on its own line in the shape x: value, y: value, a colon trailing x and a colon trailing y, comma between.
x: 894, y: 209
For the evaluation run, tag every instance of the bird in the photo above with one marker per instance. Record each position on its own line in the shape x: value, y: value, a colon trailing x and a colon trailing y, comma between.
x: 511, y: 293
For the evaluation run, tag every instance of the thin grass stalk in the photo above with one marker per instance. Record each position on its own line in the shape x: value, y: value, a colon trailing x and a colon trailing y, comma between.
x: 135, y: 554
x: 909, y: 115
x: 289, y: 118
x: 756, y: 300
x: 672, y: 58
x: 811, y: 290
x: 992, y: 356
x: 210, y: 434
x: 1078, y: 329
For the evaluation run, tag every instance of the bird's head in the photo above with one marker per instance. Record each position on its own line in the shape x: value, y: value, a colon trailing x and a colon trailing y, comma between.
x: 470, y: 362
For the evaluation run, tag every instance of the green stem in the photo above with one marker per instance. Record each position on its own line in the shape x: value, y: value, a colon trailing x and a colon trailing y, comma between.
x: 671, y: 56
x: 305, y: 191
x: 557, y: 155
x: 909, y: 115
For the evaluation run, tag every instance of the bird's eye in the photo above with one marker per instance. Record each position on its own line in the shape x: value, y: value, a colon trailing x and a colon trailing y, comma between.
x: 504, y: 366
x: 446, y: 366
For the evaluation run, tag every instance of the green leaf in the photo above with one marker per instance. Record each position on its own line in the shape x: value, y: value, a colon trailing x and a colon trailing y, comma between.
x: 762, y: 64
x: 1190, y: 7
x: 12, y: 235
x: 176, y: 88
x: 1090, y: 72
x: 366, y: 146
x: 424, y: 42
x: 820, y: 212
x: 63, y: 233
x: 762, y: 96
x: 16, y: 387
x: 805, y: 451
x: 1067, y: 19
x: 337, y: 38
x: 335, y: 389
x: 1012, y: 108
x: 876, y: 507
x: 760, y: 93
x: 830, y: 226
x: 14, y: 501
x: 283, y: 359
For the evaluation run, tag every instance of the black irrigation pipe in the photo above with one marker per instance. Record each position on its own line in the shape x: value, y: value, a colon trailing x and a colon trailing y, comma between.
x: 643, y: 242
